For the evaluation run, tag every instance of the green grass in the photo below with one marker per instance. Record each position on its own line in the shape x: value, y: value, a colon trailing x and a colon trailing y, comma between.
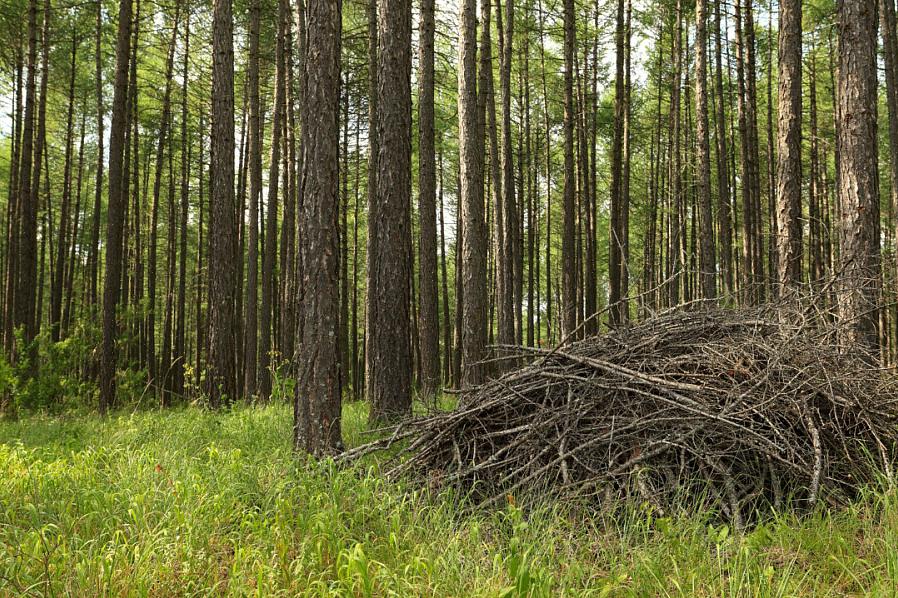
x: 189, y: 502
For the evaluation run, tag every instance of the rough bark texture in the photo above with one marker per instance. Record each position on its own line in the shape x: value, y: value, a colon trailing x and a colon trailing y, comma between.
x: 115, y: 209
x: 788, y: 146
x: 316, y: 427
x: 508, y: 254
x: 858, y: 173
x: 474, y: 245
x: 616, y: 233
x: 251, y: 322
x: 221, y: 375
x: 389, y: 350
x: 428, y: 316
x: 708, y: 261
x: 568, y: 247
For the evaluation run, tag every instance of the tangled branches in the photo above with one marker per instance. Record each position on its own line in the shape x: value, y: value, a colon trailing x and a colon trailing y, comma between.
x: 742, y: 409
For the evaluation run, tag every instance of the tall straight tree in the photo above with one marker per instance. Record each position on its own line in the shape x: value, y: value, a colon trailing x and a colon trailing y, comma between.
x: 29, y: 182
x: 221, y: 376
x: 115, y: 218
x: 507, y: 253
x: 428, y: 316
x: 389, y: 355
x: 251, y: 327
x: 94, y: 255
x: 157, y: 188
x: 473, y: 225
x: 316, y: 427
x: 617, y: 232
x: 708, y: 261
x: 568, y: 247
x: 62, y: 243
x: 858, y: 174
x: 269, y: 259
x: 890, y: 53
x: 788, y: 146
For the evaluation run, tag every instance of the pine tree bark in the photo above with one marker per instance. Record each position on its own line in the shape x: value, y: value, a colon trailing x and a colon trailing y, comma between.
x: 568, y: 247
x: 708, y: 262
x: 616, y: 236
x: 389, y: 349
x: 221, y: 376
x: 115, y: 209
x: 859, y: 177
x: 251, y: 323
x: 317, y: 397
x: 788, y: 147
x: 473, y: 227
x: 507, y: 255
x: 429, y: 316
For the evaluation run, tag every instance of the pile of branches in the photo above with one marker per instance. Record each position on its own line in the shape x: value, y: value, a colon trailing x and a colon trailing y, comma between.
x: 739, y: 409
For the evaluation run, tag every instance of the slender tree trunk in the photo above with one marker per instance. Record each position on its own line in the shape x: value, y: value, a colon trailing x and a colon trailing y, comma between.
x: 56, y: 291
x: 724, y: 230
x: 373, y: 150
x: 154, y: 225
x: 890, y: 53
x: 115, y: 209
x: 473, y: 230
x: 251, y: 329
x: 180, y: 353
x: 72, y: 249
x: 13, y: 215
x: 507, y: 252
x: 616, y: 235
x: 708, y: 262
x: 568, y: 248
x: 269, y: 262
x: 429, y: 315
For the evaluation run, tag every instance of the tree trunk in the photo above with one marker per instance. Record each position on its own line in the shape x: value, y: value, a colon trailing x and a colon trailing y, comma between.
x: 317, y: 397
x: 115, y: 210
x: 724, y: 204
x: 251, y: 327
x: 788, y: 148
x: 180, y: 353
x: 859, y: 177
x: 429, y: 314
x: 708, y: 262
x: 269, y: 260
x: 473, y: 228
x: 164, y: 126
x: 568, y: 248
x: 62, y: 241
x: 389, y: 350
x: 221, y: 376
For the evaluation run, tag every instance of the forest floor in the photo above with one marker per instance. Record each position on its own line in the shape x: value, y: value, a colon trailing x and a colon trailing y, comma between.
x: 190, y: 502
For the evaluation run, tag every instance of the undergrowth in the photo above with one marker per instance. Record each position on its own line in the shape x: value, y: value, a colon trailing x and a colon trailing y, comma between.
x: 191, y: 502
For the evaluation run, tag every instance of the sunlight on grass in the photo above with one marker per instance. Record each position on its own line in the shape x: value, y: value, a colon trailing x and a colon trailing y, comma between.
x: 190, y: 502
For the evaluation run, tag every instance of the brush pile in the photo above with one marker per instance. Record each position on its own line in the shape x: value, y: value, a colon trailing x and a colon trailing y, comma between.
x: 742, y: 409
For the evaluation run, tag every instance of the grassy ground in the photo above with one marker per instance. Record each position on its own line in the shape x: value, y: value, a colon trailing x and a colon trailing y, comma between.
x: 195, y: 503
